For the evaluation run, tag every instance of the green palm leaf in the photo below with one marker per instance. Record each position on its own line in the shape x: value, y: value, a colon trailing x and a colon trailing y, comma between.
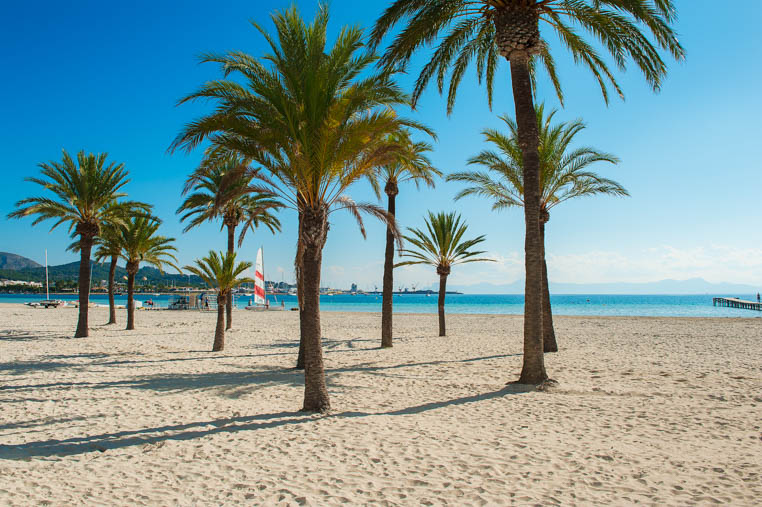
x: 564, y: 171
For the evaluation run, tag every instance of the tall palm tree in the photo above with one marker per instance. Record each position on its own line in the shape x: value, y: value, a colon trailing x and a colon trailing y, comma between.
x: 484, y: 31
x: 412, y: 164
x: 216, y: 194
x: 85, y: 194
x: 317, y: 120
x: 140, y: 243
x: 219, y: 270
x: 442, y: 245
x: 563, y: 176
x: 108, y: 247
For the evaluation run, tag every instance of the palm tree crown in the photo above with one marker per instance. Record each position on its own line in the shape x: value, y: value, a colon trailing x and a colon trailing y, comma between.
x: 220, y: 270
x: 308, y: 117
x: 411, y: 164
x: 140, y: 243
x: 442, y: 245
x: 217, y: 190
x: 563, y: 172
x: 484, y: 30
x: 86, y: 193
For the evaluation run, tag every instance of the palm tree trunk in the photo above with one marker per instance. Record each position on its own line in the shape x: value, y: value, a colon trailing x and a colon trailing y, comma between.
x: 300, y: 301
x: 441, y: 303
x: 533, y: 369
x: 130, y: 298
x: 388, y: 285
x: 229, y: 299
x: 313, y: 234
x: 548, y: 333
x: 300, y: 356
x: 111, y: 305
x: 219, y: 332
x: 85, y: 247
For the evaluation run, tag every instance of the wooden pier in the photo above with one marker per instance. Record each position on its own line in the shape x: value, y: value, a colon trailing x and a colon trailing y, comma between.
x: 737, y: 303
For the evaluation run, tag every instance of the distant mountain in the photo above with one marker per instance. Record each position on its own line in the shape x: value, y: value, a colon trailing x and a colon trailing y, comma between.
x: 689, y: 286
x: 13, y: 261
x: 70, y: 271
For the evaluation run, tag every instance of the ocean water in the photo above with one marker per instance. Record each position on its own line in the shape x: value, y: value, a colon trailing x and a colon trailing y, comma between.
x: 590, y: 304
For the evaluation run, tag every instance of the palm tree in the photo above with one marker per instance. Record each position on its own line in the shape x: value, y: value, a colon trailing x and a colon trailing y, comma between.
x: 412, y: 164
x: 219, y: 270
x: 109, y: 247
x: 140, y: 243
x: 214, y: 194
x: 317, y: 120
x: 563, y: 176
x: 485, y: 30
x: 86, y: 193
x: 442, y: 246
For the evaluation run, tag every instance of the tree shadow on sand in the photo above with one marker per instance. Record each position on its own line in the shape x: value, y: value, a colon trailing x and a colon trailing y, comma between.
x: 149, y: 436
x: 24, y: 336
x: 475, y: 398
x: 25, y: 367
x: 152, y: 438
x: 232, y: 384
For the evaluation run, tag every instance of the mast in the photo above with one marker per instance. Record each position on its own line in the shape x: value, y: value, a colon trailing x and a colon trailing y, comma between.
x: 264, y: 280
x: 47, y: 286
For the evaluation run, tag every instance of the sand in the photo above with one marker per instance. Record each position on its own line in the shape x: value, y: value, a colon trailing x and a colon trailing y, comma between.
x: 657, y: 411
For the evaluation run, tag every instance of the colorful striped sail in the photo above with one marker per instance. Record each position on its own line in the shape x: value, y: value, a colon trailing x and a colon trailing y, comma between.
x: 259, y: 280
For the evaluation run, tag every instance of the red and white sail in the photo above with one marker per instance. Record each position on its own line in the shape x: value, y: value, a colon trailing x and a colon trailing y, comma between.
x: 259, y: 280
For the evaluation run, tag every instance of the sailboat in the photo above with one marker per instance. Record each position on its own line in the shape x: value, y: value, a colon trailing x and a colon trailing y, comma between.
x: 260, y: 291
x: 47, y: 302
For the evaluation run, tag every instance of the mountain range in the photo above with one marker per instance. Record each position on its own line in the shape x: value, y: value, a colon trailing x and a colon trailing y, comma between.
x: 16, y: 267
x: 30, y: 271
x: 668, y: 286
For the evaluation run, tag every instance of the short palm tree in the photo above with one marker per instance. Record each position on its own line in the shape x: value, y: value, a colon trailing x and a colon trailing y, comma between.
x: 219, y: 270
x: 140, y: 243
x: 86, y: 193
x: 317, y: 120
x: 441, y: 245
x: 563, y: 176
x: 217, y: 191
x: 485, y: 30
x: 412, y: 164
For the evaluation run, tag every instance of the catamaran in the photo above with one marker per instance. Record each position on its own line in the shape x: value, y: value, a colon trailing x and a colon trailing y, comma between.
x: 47, y: 302
x: 260, y: 291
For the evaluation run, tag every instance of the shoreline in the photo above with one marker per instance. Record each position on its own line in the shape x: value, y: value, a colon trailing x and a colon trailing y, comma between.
x: 753, y: 317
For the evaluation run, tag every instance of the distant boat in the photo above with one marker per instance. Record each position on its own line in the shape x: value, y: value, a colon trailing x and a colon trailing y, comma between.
x: 47, y: 302
x: 260, y: 292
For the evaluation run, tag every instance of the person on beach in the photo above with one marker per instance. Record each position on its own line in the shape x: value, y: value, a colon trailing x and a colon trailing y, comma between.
x: 758, y: 297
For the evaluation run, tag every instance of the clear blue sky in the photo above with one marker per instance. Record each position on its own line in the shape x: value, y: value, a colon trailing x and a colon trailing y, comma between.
x: 105, y: 76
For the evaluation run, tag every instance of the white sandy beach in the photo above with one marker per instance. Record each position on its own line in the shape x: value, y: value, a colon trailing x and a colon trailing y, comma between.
x: 659, y: 411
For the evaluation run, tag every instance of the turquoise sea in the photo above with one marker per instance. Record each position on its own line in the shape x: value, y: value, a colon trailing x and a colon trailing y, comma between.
x: 590, y: 304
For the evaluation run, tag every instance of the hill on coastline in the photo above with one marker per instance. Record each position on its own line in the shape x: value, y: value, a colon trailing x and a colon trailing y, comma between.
x: 16, y: 262
x: 70, y: 272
